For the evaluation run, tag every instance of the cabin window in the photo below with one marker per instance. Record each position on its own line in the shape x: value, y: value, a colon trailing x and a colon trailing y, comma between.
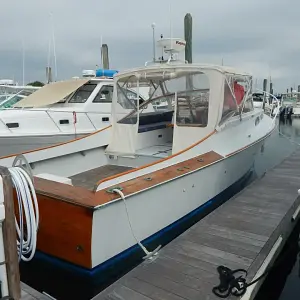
x: 104, y: 95
x: 248, y: 105
x: 83, y: 93
x: 230, y: 107
x: 192, y: 100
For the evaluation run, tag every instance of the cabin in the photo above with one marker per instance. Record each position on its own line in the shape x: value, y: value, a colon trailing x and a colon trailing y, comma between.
x: 199, y: 99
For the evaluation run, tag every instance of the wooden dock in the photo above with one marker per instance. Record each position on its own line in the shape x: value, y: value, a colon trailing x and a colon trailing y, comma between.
x: 28, y: 293
x: 248, y: 232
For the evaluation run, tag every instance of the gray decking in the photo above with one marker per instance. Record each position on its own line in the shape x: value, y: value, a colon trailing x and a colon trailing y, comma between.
x: 89, y: 178
x: 239, y: 234
x: 29, y: 293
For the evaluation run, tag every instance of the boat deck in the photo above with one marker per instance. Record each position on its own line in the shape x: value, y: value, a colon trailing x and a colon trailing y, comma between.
x: 248, y: 232
x: 160, y: 151
x: 89, y: 178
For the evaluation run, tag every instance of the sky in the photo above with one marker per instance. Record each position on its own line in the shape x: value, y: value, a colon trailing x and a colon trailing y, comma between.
x: 258, y: 36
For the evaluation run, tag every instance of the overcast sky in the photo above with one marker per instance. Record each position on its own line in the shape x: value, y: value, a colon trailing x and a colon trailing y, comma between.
x: 258, y: 36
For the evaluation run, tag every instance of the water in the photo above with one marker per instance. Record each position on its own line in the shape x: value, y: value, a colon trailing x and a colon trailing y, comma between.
x: 283, y: 282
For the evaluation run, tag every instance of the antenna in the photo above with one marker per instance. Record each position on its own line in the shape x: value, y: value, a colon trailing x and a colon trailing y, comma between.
x: 54, y: 48
x: 23, y: 60
x: 153, y: 40
x: 102, y: 62
x: 170, y: 10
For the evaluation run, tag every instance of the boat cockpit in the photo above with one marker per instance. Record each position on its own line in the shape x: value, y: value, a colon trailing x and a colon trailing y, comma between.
x: 197, y: 100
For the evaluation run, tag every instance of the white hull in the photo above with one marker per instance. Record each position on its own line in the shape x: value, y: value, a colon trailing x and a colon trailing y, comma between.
x: 13, y: 145
x: 170, y: 201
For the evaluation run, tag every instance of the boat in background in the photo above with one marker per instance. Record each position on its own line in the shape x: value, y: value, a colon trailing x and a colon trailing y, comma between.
x: 57, y: 112
x: 10, y: 89
x: 99, y: 204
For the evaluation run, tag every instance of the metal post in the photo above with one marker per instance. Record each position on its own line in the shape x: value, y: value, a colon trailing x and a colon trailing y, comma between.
x: 153, y: 41
x: 265, y: 83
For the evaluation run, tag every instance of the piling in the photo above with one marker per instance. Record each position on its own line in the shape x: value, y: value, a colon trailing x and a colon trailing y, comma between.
x: 105, y: 59
x: 265, y: 83
x: 188, y: 30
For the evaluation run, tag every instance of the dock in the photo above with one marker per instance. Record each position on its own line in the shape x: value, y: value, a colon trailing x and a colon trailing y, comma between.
x: 28, y: 293
x: 248, y: 231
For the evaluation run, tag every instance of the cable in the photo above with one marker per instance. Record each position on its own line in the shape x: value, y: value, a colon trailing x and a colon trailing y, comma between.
x: 28, y: 208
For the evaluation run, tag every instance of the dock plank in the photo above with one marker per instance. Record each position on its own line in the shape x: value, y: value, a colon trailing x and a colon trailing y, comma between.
x: 28, y: 293
x: 238, y: 234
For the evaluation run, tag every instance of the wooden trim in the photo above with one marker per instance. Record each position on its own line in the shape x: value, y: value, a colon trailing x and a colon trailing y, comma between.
x: 10, y: 237
x: 158, y: 177
x: 156, y: 162
x: 81, y: 197
x: 57, y: 145
x: 65, y: 230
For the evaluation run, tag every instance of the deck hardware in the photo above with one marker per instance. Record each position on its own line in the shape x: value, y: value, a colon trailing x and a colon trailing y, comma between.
x: 12, y: 125
x: 186, y: 167
x: 111, y: 190
x: 79, y: 248
x: 200, y: 159
x: 180, y: 169
x: 64, y: 122
x: 148, y: 178
x: 296, y: 214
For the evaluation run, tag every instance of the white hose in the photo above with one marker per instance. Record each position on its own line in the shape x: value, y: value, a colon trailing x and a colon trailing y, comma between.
x: 28, y: 205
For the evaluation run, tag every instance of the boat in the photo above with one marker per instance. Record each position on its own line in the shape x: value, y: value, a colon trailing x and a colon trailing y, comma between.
x: 99, y: 204
x: 57, y: 112
x: 9, y: 89
x: 9, y: 99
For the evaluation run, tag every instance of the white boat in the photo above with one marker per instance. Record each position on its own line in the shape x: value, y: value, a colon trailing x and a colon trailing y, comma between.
x: 10, y: 99
x: 57, y: 112
x: 161, y: 167
x: 8, y: 89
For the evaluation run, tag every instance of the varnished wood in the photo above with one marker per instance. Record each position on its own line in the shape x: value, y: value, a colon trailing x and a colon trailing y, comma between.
x: 10, y: 237
x: 157, y: 177
x: 65, y: 230
x: 89, y: 178
x: 83, y: 197
x: 238, y: 234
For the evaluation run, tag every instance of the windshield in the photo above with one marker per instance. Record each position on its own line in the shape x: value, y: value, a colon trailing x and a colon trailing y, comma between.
x: 8, y: 103
x: 191, y: 88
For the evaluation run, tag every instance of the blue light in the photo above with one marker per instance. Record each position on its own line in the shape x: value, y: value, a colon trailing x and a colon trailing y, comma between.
x: 106, y: 73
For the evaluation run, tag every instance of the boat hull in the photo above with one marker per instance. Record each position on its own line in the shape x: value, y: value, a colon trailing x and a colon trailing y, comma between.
x: 12, y: 145
x: 153, y: 210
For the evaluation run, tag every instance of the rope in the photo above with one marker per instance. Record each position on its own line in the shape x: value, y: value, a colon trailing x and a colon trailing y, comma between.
x: 28, y: 207
x: 237, y: 286
x: 148, y: 253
